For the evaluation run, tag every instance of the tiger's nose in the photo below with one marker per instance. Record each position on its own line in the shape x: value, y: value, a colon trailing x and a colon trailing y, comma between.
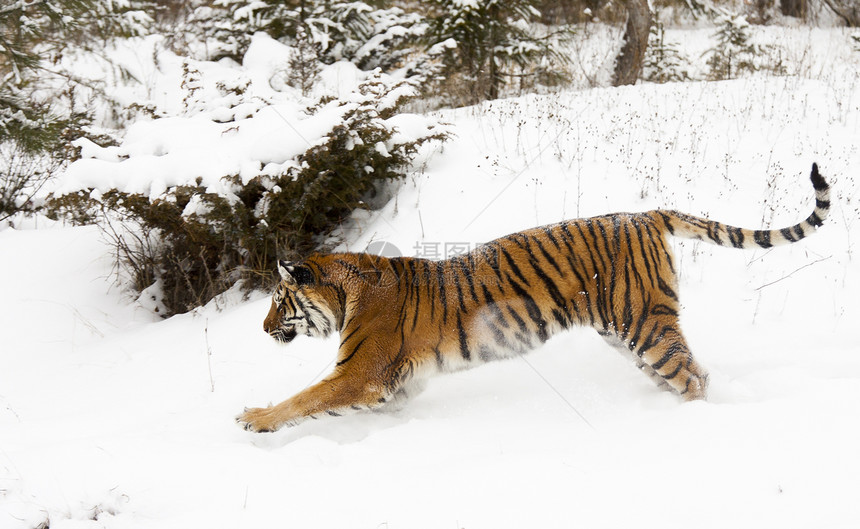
x: 271, y: 322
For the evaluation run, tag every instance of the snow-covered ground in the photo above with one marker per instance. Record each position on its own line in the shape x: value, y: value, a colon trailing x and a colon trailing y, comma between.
x: 110, y: 417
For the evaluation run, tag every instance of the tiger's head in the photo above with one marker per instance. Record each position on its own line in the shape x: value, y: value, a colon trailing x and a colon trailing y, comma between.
x: 298, y: 306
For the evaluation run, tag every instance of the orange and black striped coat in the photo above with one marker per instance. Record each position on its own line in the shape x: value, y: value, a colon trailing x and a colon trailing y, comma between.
x: 404, y: 319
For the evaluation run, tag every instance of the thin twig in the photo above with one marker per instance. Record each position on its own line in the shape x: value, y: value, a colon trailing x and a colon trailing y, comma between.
x: 209, y: 356
x: 794, y: 272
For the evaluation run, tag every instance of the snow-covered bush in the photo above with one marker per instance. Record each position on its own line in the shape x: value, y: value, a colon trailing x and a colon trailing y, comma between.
x: 735, y: 51
x: 663, y: 61
x: 197, y: 202
x: 304, y: 67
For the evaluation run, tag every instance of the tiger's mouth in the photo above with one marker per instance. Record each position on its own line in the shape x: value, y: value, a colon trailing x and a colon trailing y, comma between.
x: 283, y: 335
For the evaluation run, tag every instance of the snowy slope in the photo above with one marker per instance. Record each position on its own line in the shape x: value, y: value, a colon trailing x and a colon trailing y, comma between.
x: 112, y: 418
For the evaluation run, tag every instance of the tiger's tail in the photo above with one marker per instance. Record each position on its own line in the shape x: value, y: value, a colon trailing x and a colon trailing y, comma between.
x: 691, y: 227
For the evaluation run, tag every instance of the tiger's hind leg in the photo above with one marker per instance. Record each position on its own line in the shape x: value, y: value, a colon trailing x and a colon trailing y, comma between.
x: 666, y: 352
x: 399, y: 398
x: 625, y: 351
x: 663, y: 354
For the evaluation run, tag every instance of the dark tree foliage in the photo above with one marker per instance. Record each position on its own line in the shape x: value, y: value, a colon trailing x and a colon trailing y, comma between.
x: 366, y: 34
x: 34, y: 131
x: 23, y: 26
x: 195, y: 256
x: 793, y: 8
x: 489, y: 43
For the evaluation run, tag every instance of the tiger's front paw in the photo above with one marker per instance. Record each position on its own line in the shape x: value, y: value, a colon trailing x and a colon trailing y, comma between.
x: 259, y: 420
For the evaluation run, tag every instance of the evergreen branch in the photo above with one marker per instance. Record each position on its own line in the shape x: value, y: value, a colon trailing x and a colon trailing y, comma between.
x: 20, y: 5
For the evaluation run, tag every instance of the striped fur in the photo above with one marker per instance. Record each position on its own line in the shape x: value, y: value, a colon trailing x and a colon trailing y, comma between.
x: 402, y: 320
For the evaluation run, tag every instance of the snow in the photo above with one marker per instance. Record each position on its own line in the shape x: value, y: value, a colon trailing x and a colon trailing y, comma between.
x: 110, y: 417
x: 156, y: 155
x: 220, y: 133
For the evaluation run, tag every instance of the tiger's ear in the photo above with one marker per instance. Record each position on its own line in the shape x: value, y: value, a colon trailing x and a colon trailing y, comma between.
x: 295, y: 274
x: 285, y: 268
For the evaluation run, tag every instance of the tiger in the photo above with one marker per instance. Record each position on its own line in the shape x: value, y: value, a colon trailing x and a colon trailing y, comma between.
x: 404, y: 319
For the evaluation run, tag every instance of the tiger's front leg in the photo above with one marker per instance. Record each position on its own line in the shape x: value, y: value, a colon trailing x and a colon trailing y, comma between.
x: 334, y: 397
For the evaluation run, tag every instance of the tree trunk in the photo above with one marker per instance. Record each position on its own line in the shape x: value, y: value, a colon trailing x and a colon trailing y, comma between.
x: 495, y: 81
x: 847, y: 10
x: 793, y: 8
x: 628, y: 64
